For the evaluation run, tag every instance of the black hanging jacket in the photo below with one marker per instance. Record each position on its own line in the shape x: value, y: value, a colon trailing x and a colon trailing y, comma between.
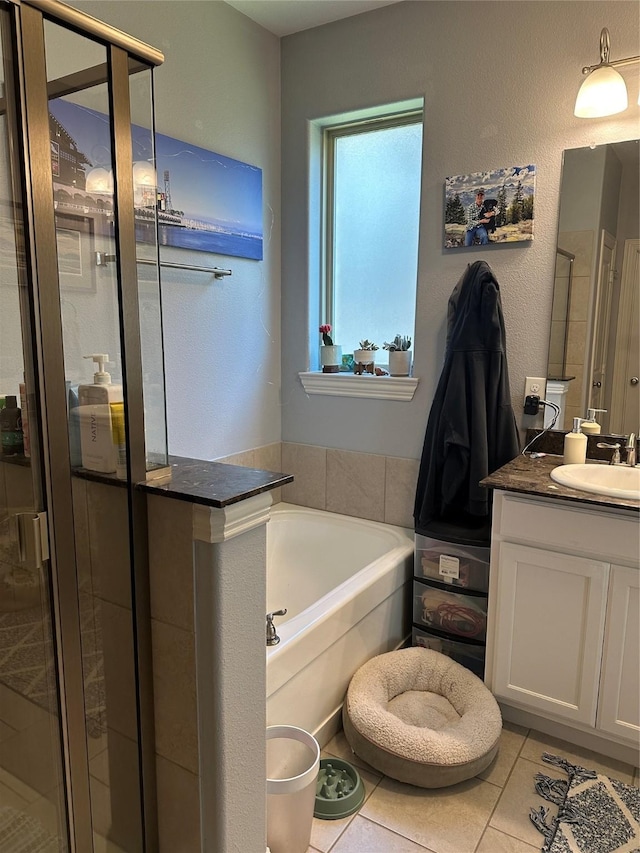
x: 471, y: 430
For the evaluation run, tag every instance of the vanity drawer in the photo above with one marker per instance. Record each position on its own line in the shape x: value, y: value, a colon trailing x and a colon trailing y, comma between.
x: 462, y: 614
x: 465, y: 566
x: 555, y: 524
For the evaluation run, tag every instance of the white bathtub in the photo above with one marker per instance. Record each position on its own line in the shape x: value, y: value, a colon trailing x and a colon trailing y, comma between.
x: 345, y: 584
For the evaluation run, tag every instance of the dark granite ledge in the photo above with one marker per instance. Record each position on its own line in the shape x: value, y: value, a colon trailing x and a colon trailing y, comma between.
x: 214, y: 484
x: 532, y: 477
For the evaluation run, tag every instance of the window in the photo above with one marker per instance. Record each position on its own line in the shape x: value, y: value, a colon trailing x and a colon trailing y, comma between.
x: 371, y: 224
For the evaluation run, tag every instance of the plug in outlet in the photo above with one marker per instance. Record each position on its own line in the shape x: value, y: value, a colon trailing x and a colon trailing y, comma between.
x: 536, y: 386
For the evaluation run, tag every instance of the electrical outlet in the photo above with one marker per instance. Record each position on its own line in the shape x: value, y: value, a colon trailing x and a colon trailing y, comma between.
x: 536, y: 386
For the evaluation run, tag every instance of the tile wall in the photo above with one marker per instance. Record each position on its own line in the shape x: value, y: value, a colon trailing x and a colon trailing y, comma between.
x: 365, y: 485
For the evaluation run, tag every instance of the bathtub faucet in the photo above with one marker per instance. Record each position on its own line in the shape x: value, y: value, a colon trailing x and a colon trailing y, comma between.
x: 272, y: 638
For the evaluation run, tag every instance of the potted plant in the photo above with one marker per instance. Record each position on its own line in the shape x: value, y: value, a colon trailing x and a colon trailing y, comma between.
x: 366, y: 354
x: 399, y: 355
x: 330, y: 353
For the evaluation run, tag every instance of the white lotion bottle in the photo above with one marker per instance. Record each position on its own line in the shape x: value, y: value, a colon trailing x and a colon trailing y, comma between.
x: 94, y: 411
x: 575, y: 445
x: 590, y: 426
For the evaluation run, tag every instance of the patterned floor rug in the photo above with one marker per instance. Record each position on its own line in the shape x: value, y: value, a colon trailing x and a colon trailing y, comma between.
x: 596, y: 814
x: 21, y: 833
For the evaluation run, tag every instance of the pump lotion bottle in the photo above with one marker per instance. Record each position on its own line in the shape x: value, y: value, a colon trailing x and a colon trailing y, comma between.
x: 590, y: 426
x: 575, y: 445
x: 94, y: 411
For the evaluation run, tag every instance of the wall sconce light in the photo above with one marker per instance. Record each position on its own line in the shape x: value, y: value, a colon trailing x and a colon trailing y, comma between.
x: 604, y: 92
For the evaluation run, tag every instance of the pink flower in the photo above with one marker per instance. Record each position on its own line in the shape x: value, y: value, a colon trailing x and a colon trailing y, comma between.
x: 326, y: 337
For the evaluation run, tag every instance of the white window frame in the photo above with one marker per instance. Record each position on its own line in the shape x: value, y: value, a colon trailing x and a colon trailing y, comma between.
x: 399, y: 388
x: 329, y: 136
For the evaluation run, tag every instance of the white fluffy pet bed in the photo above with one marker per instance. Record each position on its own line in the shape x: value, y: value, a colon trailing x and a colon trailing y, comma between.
x: 419, y: 717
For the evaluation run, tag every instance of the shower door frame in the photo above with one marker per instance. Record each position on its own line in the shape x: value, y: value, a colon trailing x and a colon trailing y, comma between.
x: 32, y: 140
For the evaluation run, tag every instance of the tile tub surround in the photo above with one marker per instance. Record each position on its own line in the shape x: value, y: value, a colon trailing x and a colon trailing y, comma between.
x: 364, y: 485
x: 488, y: 814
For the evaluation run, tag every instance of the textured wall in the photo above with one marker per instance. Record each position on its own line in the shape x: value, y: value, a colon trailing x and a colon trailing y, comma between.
x: 499, y: 82
x: 219, y: 88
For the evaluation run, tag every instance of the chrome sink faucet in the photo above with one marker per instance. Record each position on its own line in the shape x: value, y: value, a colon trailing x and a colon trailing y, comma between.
x: 615, y: 456
x: 630, y: 447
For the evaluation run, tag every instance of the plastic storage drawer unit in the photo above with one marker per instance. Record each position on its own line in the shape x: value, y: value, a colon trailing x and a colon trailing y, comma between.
x: 466, y: 566
x: 467, y: 654
x: 460, y: 614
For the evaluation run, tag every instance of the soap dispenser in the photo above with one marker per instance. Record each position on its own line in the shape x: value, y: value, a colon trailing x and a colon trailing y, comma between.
x: 589, y: 425
x: 575, y: 445
x: 102, y: 390
x: 98, y: 452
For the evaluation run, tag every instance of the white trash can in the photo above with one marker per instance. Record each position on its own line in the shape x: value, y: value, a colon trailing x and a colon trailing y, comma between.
x: 293, y: 761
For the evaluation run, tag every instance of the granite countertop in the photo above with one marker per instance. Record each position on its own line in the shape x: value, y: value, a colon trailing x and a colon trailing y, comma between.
x: 532, y: 477
x: 214, y: 484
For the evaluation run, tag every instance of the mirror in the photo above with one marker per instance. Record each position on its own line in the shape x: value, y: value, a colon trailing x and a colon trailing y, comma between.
x: 595, y: 320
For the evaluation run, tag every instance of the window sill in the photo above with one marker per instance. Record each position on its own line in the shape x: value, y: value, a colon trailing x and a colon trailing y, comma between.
x: 349, y: 385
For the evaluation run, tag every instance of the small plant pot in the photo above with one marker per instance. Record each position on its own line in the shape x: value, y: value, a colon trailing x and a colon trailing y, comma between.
x: 400, y: 362
x: 331, y: 358
x: 364, y: 356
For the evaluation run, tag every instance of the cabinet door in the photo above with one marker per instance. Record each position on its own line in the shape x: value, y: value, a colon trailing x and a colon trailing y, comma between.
x: 549, y: 631
x: 619, y: 706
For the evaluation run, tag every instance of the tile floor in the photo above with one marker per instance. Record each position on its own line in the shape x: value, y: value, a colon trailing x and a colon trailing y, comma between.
x: 488, y: 814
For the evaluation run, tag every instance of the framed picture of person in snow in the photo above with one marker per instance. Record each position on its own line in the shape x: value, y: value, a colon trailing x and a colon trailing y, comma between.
x: 489, y: 207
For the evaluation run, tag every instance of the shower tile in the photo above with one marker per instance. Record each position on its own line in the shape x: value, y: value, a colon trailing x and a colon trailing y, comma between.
x: 576, y: 341
x: 29, y: 757
x: 109, y: 542
x: 174, y: 690
x: 19, y: 485
x: 11, y: 799
x: 355, y: 484
x: 178, y: 808
x: 580, y: 290
x: 308, y: 464
x: 100, y: 807
x: 124, y: 792
x: 81, y: 534
x: 401, y: 476
x: 119, y: 673
x: 46, y: 813
x: 171, y: 561
x: 17, y: 711
x: 444, y: 820
x: 99, y: 767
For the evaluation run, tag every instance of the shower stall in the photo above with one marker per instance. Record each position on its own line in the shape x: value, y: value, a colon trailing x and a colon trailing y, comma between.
x: 79, y: 275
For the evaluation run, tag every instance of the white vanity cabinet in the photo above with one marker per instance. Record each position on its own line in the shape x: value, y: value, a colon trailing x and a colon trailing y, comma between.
x: 619, y: 705
x: 563, y: 633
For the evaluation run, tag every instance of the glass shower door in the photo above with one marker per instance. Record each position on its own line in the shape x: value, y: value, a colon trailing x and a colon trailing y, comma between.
x: 32, y: 791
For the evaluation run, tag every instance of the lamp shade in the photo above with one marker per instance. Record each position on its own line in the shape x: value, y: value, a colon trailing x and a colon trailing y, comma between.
x: 603, y: 93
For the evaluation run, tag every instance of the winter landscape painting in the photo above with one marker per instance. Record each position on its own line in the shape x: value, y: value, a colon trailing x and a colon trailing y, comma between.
x: 489, y: 207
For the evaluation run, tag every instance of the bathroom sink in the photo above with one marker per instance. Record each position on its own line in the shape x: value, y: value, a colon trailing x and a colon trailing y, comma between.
x: 617, y: 481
